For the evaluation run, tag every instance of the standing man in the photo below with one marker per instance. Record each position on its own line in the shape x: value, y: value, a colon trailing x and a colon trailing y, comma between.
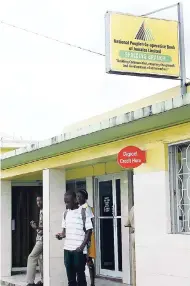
x: 77, y: 236
x: 36, y: 256
x: 131, y: 223
x: 82, y: 198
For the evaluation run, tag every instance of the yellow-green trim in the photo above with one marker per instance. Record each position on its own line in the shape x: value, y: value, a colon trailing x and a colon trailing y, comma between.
x: 152, y: 142
x: 127, y: 130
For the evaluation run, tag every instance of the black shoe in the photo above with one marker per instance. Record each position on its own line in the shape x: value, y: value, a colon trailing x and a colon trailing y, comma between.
x: 39, y: 283
x: 31, y: 284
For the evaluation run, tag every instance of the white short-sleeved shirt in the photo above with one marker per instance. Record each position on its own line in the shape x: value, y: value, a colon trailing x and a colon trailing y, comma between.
x: 74, y: 229
x: 88, y: 210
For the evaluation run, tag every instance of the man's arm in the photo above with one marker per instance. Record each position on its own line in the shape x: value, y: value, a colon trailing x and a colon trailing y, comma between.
x: 127, y: 223
x: 129, y: 218
x: 88, y: 233
x: 62, y: 235
x: 86, y: 240
x: 39, y: 230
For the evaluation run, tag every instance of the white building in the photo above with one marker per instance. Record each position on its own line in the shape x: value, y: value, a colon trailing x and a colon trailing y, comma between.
x: 86, y: 156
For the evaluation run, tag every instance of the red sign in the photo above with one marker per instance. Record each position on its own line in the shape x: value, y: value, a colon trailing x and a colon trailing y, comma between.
x: 131, y: 157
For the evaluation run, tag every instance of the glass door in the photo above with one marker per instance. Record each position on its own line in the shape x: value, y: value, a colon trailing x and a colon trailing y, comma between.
x: 108, y: 209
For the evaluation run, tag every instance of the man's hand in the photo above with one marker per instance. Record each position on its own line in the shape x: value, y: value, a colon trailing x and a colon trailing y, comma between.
x: 60, y: 236
x: 85, y: 242
x: 79, y: 249
x: 33, y: 224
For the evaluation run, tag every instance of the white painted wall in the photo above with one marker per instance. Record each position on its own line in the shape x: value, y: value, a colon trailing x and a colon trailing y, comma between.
x: 126, y: 193
x: 54, y: 187
x: 162, y: 258
x: 6, y: 231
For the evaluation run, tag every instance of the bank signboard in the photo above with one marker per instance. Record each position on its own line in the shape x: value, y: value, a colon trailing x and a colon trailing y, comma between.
x: 141, y: 46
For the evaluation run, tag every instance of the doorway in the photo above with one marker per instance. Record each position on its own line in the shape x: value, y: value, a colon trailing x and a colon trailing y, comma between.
x: 24, y: 210
x: 108, y: 222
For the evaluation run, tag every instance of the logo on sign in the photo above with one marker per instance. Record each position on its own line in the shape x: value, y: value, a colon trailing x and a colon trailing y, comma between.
x: 131, y: 157
x: 144, y: 33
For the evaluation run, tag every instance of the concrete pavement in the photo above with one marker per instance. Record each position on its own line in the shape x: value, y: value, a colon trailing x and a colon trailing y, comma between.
x: 20, y: 280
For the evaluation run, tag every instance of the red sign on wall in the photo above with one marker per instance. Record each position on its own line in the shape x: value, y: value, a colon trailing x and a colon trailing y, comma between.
x: 131, y: 157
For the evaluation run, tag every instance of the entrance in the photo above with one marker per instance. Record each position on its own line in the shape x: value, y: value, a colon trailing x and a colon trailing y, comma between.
x: 24, y: 210
x: 109, y: 238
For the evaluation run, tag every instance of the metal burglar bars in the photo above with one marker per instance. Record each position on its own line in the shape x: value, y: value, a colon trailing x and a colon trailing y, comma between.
x: 179, y: 161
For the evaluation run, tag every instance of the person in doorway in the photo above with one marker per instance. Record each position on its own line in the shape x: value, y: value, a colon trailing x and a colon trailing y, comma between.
x: 36, y: 256
x: 82, y: 197
x: 77, y: 236
x: 130, y: 222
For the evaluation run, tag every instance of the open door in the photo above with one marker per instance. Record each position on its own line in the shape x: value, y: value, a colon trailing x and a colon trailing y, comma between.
x: 24, y: 209
x: 108, y: 209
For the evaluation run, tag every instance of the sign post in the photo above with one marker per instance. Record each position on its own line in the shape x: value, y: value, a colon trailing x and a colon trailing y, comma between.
x: 181, y: 43
x: 182, y: 50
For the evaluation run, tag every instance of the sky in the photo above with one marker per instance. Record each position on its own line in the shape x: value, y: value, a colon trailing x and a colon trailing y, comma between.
x: 45, y: 85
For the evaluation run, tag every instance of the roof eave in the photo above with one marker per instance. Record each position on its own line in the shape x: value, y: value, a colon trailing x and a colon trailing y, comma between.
x: 147, y: 124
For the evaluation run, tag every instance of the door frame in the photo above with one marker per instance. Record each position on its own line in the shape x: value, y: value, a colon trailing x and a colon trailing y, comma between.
x: 113, y: 178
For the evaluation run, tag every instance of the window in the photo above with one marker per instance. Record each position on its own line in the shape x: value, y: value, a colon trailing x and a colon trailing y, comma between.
x: 179, y: 167
x: 76, y: 185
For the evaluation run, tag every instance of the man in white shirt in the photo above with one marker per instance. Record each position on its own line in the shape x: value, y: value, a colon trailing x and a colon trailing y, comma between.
x: 82, y: 197
x: 77, y: 235
x: 36, y: 256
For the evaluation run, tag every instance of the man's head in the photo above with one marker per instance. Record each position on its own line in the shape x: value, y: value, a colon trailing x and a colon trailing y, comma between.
x: 82, y: 197
x: 39, y: 201
x: 70, y: 200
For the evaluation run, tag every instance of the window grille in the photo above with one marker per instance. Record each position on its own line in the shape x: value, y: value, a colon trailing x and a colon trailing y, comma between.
x: 179, y: 168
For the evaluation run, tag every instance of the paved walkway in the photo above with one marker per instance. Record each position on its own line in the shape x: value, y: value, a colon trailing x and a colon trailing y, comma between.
x: 19, y: 280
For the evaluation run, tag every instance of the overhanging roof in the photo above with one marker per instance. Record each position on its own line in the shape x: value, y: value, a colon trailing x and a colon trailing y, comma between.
x: 157, y: 116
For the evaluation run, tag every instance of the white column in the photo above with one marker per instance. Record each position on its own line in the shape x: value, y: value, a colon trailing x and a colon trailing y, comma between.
x: 151, y: 226
x: 54, y: 188
x: 90, y: 190
x: 6, y: 231
x: 151, y: 210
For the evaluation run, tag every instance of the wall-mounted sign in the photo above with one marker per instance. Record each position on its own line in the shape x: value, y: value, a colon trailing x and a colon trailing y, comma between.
x: 131, y: 157
x: 107, y: 207
x: 141, y: 46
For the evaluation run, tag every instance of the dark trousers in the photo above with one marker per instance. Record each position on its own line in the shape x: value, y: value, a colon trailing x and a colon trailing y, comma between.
x: 75, y: 263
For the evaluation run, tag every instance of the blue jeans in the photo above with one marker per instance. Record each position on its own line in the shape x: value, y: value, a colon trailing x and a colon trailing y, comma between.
x: 75, y: 263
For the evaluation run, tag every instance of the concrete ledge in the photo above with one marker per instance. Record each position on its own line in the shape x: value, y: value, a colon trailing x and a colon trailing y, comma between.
x: 150, y: 118
x: 105, y: 124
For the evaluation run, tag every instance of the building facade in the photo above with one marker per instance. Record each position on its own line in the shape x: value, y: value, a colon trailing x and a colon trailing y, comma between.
x: 86, y: 157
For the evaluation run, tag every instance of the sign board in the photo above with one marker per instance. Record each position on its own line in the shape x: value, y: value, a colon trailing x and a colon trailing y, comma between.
x: 141, y: 46
x: 108, y: 206
x: 131, y: 157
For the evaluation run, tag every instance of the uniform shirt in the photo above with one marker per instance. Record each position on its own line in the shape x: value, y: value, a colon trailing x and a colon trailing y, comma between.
x: 39, y: 236
x: 92, y: 248
x: 88, y: 210
x: 74, y: 229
